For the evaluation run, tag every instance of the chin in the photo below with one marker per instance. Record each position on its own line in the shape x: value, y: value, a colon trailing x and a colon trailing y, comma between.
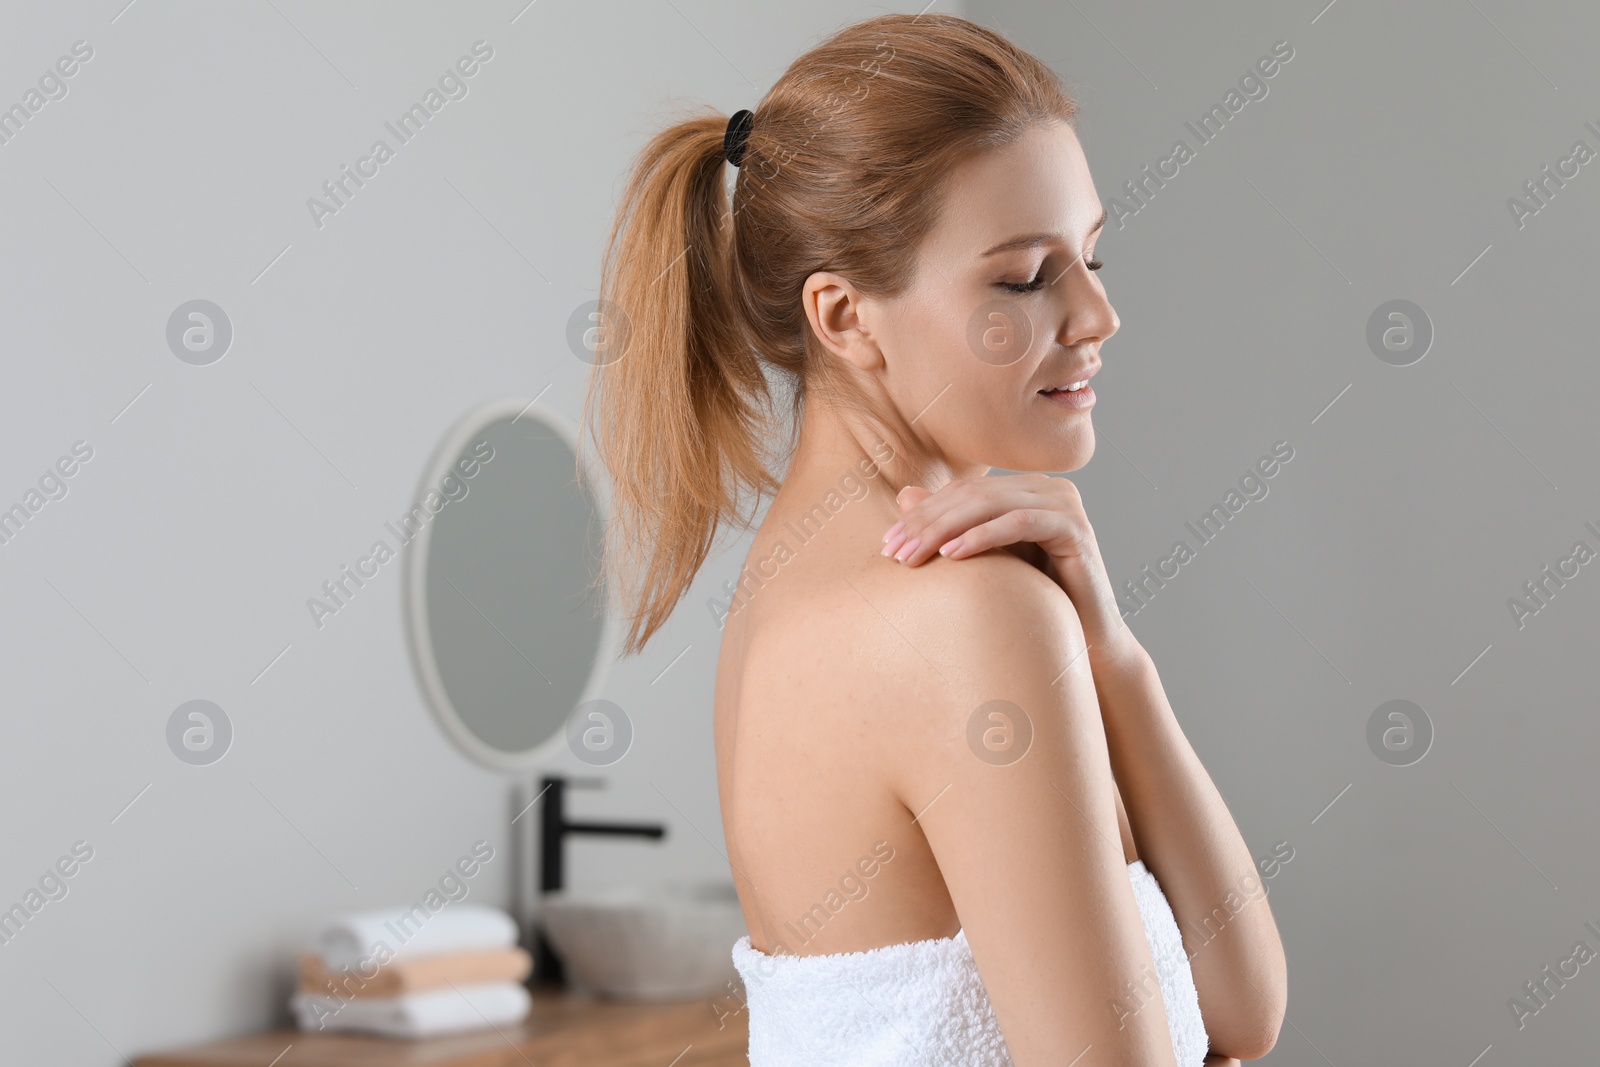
x: 1058, y: 458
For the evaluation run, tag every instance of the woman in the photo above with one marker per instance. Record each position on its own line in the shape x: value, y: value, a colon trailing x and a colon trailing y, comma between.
x: 964, y: 823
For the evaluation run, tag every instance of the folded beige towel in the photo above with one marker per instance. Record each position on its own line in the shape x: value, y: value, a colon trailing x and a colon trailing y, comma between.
x: 400, y: 977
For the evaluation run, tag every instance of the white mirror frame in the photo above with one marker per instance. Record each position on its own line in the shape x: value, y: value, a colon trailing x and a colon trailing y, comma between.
x: 414, y: 603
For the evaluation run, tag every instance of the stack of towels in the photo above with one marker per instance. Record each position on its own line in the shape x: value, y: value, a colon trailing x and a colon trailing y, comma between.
x: 408, y: 972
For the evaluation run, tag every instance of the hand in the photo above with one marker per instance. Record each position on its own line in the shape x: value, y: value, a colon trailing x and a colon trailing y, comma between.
x: 1035, y: 516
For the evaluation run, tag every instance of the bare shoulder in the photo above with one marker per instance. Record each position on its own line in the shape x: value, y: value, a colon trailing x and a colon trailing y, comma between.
x: 954, y: 631
x: 992, y: 586
x: 911, y: 649
x: 999, y: 752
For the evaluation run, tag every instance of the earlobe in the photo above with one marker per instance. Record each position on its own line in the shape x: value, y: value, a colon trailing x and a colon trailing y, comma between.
x: 833, y: 307
x: 861, y: 350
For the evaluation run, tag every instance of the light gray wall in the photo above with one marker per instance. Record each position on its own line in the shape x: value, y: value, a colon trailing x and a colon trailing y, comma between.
x: 219, y: 498
x: 1379, y: 565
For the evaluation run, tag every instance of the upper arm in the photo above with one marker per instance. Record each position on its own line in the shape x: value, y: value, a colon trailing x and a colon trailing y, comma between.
x: 1001, y: 757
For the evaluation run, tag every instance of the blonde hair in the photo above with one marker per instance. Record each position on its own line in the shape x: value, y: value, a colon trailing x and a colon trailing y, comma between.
x: 843, y: 171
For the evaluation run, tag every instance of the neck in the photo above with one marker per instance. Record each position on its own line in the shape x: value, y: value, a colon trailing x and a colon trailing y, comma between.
x: 835, y: 440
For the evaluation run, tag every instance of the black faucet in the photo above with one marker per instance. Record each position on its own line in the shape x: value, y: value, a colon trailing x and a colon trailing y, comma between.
x: 554, y: 827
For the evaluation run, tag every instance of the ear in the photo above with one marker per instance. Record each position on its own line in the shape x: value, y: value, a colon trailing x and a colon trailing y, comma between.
x: 835, y: 310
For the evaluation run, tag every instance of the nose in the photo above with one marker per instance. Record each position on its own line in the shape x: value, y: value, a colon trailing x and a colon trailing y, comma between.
x: 1090, y: 317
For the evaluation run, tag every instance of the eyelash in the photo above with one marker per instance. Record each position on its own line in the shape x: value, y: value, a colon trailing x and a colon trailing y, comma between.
x: 1038, y: 283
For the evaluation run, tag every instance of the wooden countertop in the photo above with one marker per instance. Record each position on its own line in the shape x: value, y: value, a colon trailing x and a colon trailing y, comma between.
x: 563, y: 1029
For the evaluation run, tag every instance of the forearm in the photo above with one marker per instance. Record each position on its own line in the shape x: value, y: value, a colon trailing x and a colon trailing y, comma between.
x: 1188, y: 839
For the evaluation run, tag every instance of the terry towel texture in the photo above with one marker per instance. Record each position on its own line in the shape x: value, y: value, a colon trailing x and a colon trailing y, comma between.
x: 348, y: 940
x: 923, y: 1002
x: 410, y: 976
x: 432, y: 1011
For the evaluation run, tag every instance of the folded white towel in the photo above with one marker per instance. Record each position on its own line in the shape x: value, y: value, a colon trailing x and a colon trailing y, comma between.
x: 420, y: 1014
x: 347, y: 941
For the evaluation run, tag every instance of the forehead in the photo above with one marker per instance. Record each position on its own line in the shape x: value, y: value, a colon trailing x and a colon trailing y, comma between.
x: 1038, y: 183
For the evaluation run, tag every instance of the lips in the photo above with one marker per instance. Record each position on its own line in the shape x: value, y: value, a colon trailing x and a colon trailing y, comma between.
x: 1080, y: 380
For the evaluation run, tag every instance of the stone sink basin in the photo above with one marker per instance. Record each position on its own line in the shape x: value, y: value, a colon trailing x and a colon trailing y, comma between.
x: 672, y: 941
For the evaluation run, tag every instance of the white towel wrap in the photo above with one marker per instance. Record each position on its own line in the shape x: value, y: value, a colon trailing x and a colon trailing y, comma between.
x: 922, y: 1002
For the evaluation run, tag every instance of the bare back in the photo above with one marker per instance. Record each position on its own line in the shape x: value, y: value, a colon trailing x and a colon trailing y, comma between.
x: 825, y: 854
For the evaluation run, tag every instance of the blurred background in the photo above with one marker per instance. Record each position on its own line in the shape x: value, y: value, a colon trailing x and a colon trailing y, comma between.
x: 1374, y: 266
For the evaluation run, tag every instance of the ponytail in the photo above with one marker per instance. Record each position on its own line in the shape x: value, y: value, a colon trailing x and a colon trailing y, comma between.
x: 677, y: 399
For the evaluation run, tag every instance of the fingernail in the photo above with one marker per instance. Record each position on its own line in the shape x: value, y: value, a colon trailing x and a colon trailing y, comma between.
x: 910, y: 547
x: 949, y: 547
x: 896, y: 528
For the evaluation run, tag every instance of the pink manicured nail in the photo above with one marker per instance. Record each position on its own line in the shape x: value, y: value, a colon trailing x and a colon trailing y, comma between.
x: 949, y: 547
x: 896, y: 528
x: 910, y: 547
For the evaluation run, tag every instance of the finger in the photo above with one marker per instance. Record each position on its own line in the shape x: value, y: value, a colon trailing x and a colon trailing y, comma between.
x: 937, y: 519
x: 1014, y: 527
x: 908, y: 497
x: 911, y: 496
x: 923, y: 536
x: 988, y: 498
x: 1006, y: 491
x: 919, y: 522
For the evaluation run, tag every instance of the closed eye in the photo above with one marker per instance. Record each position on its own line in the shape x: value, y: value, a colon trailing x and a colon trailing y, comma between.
x: 1039, y: 282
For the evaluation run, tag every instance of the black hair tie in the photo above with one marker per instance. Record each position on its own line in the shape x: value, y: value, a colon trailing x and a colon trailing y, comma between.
x: 737, y: 136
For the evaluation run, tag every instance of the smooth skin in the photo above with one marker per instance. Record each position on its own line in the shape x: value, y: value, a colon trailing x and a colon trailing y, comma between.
x: 849, y: 680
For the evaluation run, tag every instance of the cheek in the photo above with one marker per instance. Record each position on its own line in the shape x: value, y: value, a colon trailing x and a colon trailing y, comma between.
x: 974, y: 407
x: 970, y: 340
x: 985, y: 412
x: 947, y: 341
x: 928, y: 351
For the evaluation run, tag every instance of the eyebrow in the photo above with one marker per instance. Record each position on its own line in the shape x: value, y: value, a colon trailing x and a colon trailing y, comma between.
x: 1033, y: 240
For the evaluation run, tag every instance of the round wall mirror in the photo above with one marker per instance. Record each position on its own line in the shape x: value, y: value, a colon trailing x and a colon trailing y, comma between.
x: 506, y: 619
